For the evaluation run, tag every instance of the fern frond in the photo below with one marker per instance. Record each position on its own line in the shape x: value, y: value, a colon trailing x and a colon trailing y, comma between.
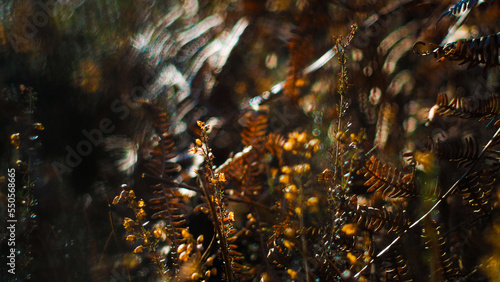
x: 459, y: 8
x: 398, y: 270
x: 476, y: 188
x: 437, y: 243
x: 464, y: 152
x: 461, y: 107
x: 373, y: 219
x: 255, y: 132
x: 160, y: 164
x: 300, y: 51
x: 168, y: 203
x: 475, y: 51
x: 390, y: 181
x: 274, y: 145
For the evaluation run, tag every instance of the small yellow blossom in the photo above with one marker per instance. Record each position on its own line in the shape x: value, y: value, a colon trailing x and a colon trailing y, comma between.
x: 286, y: 169
x: 141, y: 204
x: 298, y: 211
x: 352, y: 258
x: 128, y: 223
x: 139, y: 249
x: 284, y: 179
x: 15, y: 140
x: 198, y: 142
x: 185, y: 233
x: 230, y: 216
x: 116, y: 200
x: 288, y: 244
x: 222, y: 177
x: 288, y: 146
x: 141, y: 214
x: 292, y: 273
x: 349, y: 229
x: 184, y: 256
x: 38, y: 126
x: 158, y: 232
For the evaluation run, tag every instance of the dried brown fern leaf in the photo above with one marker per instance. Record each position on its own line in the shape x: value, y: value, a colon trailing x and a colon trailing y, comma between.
x: 241, y: 270
x: 476, y: 189
x: 459, y: 8
x: 168, y: 203
x: 255, y: 132
x: 244, y: 168
x: 475, y: 51
x: 300, y: 49
x: 467, y: 108
x: 170, y: 207
x: 398, y: 270
x: 160, y: 164
x: 274, y: 146
x: 312, y: 18
x: 390, y: 181
x: 464, y: 152
x: 448, y: 265
x: 374, y: 219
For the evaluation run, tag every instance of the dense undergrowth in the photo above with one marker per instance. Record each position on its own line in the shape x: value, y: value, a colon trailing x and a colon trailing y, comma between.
x: 249, y: 140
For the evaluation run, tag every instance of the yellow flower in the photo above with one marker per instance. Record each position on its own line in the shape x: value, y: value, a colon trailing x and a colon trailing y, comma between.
x: 230, y: 216
x: 116, y: 200
x: 288, y: 244
x: 200, y: 123
x: 141, y: 204
x: 349, y: 229
x: 284, y: 179
x: 141, y: 214
x: 139, y: 249
x: 288, y: 146
x: 128, y: 223
x: 286, y: 169
x: 131, y: 194
x: 158, y: 232
x: 193, y: 151
x: 15, y: 140
x: 185, y: 233
x: 352, y: 258
x: 292, y: 273
x: 222, y: 177
x: 38, y: 126
x: 198, y: 143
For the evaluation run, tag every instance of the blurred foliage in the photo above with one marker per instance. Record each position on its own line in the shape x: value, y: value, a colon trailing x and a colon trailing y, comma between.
x: 261, y: 140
